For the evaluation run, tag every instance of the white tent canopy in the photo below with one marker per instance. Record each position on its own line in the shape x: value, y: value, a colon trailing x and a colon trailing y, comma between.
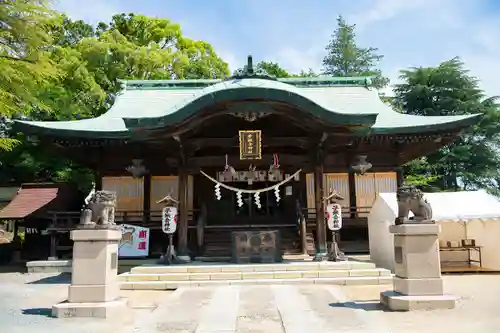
x: 462, y: 215
x: 455, y: 205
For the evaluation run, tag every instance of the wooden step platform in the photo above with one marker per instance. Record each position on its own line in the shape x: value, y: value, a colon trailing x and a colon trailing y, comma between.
x: 466, y: 269
x: 150, y: 277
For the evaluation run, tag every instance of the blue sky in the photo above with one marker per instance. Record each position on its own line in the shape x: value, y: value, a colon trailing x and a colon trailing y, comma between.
x: 295, y: 32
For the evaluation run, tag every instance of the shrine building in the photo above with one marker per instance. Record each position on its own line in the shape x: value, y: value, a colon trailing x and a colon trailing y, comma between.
x: 250, y: 152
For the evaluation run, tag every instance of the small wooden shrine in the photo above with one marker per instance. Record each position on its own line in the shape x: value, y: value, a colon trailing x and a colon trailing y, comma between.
x: 250, y: 152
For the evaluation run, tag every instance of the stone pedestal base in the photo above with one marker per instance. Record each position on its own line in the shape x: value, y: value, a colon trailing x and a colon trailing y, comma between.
x: 185, y: 259
x: 399, y: 302
x: 321, y: 256
x: 94, y: 289
x: 418, y: 284
x: 112, y: 309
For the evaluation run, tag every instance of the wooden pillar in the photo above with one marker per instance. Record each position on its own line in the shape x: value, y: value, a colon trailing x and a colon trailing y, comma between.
x: 352, y: 195
x: 53, y: 246
x: 98, y: 179
x: 146, y: 198
x: 182, y: 227
x: 321, y: 246
x: 303, y: 234
x: 400, y: 179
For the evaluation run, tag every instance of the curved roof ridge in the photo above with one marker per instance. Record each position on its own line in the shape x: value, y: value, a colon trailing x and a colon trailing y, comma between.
x: 254, y: 88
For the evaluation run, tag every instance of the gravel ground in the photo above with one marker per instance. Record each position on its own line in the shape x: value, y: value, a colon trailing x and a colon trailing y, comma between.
x: 26, y: 300
x: 478, y: 310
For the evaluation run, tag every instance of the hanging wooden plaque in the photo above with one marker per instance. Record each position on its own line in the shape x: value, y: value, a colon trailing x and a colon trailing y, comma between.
x: 250, y: 145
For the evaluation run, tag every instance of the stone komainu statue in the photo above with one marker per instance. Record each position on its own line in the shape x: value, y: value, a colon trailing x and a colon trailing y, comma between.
x: 412, y: 199
x: 100, y: 209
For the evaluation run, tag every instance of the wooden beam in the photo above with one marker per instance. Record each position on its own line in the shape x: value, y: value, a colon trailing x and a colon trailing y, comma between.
x: 234, y: 142
x: 215, y: 161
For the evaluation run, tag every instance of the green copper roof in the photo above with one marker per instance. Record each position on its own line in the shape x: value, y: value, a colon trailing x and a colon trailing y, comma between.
x: 151, y: 104
x: 314, y: 101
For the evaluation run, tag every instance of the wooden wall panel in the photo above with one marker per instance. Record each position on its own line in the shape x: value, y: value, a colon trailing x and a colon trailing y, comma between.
x: 371, y: 184
x: 386, y: 182
x: 365, y: 190
x: 311, y: 202
x: 129, y: 192
x: 336, y: 181
x: 161, y: 186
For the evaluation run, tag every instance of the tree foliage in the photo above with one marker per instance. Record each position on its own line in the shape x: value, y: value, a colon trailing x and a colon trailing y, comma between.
x: 471, y: 161
x: 276, y: 70
x: 25, y: 62
x: 54, y: 68
x: 346, y: 58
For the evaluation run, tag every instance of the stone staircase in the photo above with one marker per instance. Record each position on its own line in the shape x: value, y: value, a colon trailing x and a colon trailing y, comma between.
x: 288, y: 272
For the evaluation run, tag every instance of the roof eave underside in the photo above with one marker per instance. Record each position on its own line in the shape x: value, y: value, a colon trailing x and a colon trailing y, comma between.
x: 85, y: 132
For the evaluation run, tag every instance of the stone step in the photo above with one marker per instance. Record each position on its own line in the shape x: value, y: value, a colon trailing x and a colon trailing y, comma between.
x: 229, y: 276
x: 172, y: 285
x: 277, y: 267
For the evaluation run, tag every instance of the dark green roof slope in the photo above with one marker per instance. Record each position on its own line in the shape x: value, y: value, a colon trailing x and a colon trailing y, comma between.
x: 161, y: 103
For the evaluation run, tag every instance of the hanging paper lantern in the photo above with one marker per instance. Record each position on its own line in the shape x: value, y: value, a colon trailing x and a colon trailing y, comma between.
x: 277, y: 193
x: 257, y: 199
x: 217, y: 192
x: 169, y: 219
x: 239, y: 199
x: 333, y: 216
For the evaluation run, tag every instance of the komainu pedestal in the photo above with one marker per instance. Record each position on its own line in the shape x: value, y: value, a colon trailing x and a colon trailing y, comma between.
x: 418, y: 283
x: 95, y: 288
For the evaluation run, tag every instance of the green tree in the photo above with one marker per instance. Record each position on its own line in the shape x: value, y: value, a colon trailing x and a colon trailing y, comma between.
x: 276, y: 70
x: 90, y: 63
x: 273, y: 69
x: 345, y: 58
x: 25, y: 64
x: 472, y: 161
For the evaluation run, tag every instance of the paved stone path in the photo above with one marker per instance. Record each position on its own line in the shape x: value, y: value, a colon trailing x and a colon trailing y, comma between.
x: 259, y: 309
x: 25, y: 301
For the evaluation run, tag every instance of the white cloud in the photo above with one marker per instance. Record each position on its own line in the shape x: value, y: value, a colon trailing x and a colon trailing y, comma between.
x: 408, y: 32
x: 416, y: 33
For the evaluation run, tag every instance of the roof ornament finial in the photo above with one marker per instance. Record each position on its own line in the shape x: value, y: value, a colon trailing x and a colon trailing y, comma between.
x: 250, y: 64
x: 249, y: 72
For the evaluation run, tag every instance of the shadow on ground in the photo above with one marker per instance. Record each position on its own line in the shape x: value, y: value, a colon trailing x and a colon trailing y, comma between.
x: 45, y: 312
x: 372, y: 305
x: 13, y: 269
x: 62, y: 278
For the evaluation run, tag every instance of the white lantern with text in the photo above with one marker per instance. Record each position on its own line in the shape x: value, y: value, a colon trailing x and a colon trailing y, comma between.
x: 169, y: 219
x: 333, y: 216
